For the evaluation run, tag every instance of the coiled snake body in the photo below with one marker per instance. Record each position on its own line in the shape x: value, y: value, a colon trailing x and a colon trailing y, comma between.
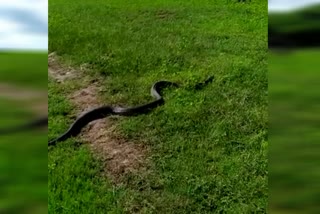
x: 104, y: 111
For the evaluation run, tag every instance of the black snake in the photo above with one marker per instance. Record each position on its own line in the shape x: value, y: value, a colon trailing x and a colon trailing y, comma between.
x: 104, y: 111
x: 34, y: 124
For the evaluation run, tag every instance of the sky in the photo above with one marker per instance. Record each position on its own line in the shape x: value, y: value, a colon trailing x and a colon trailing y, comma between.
x: 286, y: 5
x: 24, y: 23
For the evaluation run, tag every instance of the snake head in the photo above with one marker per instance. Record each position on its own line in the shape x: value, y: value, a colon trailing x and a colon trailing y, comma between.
x: 202, y: 84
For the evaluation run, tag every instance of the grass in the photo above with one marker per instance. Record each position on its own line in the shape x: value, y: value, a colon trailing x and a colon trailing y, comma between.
x: 294, y: 112
x: 75, y: 184
x: 23, y: 173
x: 23, y: 157
x: 209, y: 147
x: 24, y: 68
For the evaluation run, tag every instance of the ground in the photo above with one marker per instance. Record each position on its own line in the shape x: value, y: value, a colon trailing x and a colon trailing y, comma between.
x: 23, y: 168
x: 119, y: 156
x: 294, y: 132
x: 204, y: 150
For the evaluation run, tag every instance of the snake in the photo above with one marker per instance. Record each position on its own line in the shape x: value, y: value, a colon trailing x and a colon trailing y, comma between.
x: 106, y: 110
x: 30, y: 125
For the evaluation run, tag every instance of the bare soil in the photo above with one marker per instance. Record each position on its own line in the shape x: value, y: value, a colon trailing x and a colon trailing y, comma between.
x: 119, y: 156
x: 35, y: 100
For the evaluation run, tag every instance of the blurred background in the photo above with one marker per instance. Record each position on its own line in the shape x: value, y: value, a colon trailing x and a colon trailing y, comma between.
x: 23, y: 98
x: 294, y: 104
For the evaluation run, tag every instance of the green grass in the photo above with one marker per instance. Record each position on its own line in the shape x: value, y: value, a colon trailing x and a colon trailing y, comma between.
x: 24, y: 68
x: 75, y: 185
x: 23, y: 168
x: 209, y: 147
x: 294, y: 132
x: 23, y: 156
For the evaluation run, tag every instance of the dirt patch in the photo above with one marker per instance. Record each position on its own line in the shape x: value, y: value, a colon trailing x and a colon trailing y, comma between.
x: 15, y: 92
x: 59, y: 73
x: 41, y: 107
x: 119, y: 156
x: 35, y: 100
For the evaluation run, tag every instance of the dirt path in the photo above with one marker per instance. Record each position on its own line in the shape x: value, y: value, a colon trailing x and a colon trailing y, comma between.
x: 35, y: 100
x: 120, y: 157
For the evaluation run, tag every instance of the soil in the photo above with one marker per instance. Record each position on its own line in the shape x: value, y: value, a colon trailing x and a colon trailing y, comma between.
x: 35, y: 100
x: 118, y: 155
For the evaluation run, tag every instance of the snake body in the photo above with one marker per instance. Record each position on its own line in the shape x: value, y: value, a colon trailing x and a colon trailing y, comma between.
x: 104, y: 111
x: 34, y: 124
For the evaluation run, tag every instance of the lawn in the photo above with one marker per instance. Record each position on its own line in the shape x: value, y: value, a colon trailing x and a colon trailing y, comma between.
x: 208, y: 147
x: 23, y: 156
x: 294, y: 115
x: 24, y: 68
